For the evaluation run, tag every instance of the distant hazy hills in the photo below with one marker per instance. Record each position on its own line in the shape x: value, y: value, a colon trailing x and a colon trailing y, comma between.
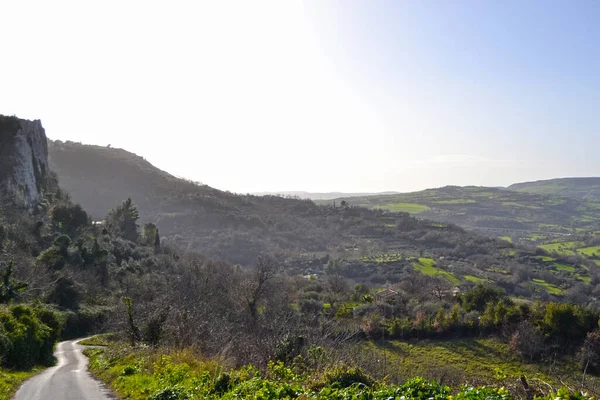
x: 320, y: 196
x: 579, y: 188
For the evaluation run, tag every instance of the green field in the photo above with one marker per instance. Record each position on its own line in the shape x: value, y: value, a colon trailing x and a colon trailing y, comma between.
x: 412, y: 208
x: 474, y: 279
x: 481, y: 360
x: 523, y: 216
x: 590, y: 251
x: 562, y: 248
x: 427, y: 267
x: 550, y: 288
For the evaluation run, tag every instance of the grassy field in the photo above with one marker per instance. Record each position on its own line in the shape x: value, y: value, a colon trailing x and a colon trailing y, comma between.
x: 525, y: 217
x: 482, y: 361
x: 562, y: 248
x: 550, y: 288
x: 474, y: 279
x: 10, y: 381
x: 426, y: 266
x: 411, y: 208
x: 590, y: 251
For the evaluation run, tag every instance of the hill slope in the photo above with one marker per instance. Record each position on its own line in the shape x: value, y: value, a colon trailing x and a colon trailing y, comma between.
x: 578, y: 188
x: 320, y: 196
x: 493, y: 211
x: 228, y: 226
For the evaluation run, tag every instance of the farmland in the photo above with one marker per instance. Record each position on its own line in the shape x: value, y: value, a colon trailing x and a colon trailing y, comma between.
x: 522, y: 217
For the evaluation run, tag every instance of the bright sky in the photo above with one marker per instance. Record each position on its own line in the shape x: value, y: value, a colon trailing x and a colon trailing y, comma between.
x: 319, y: 95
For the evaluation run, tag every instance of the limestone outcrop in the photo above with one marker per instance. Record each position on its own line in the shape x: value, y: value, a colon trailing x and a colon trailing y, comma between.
x: 23, y: 161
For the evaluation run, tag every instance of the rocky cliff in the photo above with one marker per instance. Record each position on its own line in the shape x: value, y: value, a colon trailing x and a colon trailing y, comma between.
x: 23, y: 161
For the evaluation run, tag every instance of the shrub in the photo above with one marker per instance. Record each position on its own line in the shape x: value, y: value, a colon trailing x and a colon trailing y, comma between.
x: 25, y: 338
x: 345, y: 376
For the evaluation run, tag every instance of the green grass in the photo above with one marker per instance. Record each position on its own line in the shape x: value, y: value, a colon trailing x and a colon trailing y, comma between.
x: 474, y: 279
x: 550, y: 288
x: 590, y: 251
x: 544, y: 258
x: 564, y: 267
x: 98, y: 340
x: 506, y: 238
x: 10, y: 381
x: 563, y: 248
x: 412, y: 208
x: 479, y: 360
x: 143, y: 374
x: 426, y: 266
x: 456, y: 201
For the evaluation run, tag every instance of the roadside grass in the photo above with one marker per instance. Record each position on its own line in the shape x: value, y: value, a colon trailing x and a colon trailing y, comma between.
x: 426, y: 266
x: 412, y: 208
x: 10, y: 381
x: 104, y: 339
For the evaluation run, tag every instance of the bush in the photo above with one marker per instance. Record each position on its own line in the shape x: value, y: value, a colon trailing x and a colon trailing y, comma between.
x: 344, y: 376
x: 27, y: 336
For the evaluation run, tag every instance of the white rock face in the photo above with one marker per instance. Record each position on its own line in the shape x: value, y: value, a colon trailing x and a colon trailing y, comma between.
x: 23, y: 161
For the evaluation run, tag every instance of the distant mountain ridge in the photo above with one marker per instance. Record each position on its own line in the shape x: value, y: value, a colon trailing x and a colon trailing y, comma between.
x: 578, y: 188
x: 321, y: 195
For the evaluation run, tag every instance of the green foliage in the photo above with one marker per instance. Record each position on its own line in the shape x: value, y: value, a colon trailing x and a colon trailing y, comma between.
x: 10, y: 288
x: 123, y: 220
x: 69, y: 218
x: 478, y: 297
x: 344, y: 376
x: 169, y: 377
x: 27, y: 336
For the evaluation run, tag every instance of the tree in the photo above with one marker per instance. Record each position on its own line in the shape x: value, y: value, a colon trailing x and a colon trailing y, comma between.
x: 150, y: 235
x: 123, y: 220
x: 264, y: 271
x: 528, y: 341
x: 589, y: 353
x: 10, y: 288
x: 478, y: 297
x: 69, y: 218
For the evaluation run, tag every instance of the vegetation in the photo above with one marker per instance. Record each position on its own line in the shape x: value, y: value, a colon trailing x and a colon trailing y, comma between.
x: 143, y: 374
x: 521, y: 216
x: 293, y: 299
x: 578, y: 188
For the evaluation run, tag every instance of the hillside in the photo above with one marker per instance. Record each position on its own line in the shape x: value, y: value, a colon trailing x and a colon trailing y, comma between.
x: 319, y: 196
x: 526, y: 217
x: 578, y: 188
x: 228, y: 226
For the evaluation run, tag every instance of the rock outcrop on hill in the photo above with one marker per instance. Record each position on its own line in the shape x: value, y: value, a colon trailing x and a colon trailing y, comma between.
x: 23, y: 161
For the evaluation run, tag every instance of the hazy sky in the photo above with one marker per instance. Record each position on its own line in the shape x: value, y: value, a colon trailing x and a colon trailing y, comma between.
x: 318, y: 95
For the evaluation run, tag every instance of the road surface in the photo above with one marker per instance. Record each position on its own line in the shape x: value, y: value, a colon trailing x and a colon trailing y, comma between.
x: 68, y: 380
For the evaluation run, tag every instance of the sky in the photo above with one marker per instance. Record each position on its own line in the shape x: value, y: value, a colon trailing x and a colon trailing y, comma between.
x: 318, y: 95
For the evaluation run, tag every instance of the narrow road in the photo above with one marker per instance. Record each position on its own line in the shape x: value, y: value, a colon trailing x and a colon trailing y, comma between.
x: 68, y: 380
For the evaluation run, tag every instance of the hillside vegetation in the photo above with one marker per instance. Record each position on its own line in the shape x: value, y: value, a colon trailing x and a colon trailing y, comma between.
x: 373, y: 246
x: 525, y: 217
x: 577, y: 188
